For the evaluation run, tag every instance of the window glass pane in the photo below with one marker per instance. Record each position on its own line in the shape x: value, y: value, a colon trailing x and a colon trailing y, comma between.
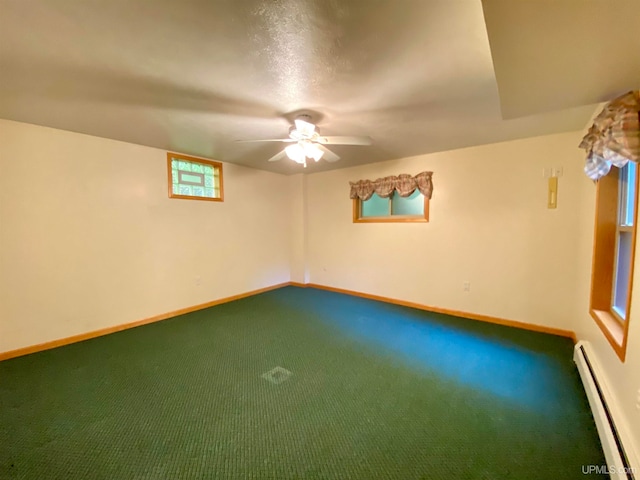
x: 191, y: 179
x: 411, y: 205
x: 194, y: 179
x: 623, y: 266
x: 184, y: 166
x: 375, y: 207
x: 627, y: 193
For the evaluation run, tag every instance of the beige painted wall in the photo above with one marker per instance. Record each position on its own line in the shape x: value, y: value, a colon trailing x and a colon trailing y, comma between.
x: 622, y: 378
x: 489, y: 225
x: 89, y: 238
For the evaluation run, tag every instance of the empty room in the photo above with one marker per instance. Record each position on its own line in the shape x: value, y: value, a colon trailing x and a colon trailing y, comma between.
x: 319, y: 239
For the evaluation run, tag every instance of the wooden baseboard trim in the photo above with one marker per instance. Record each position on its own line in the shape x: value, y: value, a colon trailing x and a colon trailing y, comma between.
x: 455, y: 313
x: 117, y: 328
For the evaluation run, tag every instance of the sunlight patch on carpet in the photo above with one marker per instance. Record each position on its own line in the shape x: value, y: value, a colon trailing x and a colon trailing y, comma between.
x: 277, y: 375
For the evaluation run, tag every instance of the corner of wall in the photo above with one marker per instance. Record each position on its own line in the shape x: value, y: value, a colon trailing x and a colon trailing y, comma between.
x: 298, y: 225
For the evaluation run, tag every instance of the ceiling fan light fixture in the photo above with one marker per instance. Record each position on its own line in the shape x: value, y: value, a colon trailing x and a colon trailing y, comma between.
x: 300, y: 151
x: 307, y: 144
x: 311, y: 150
x: 295, y: 152
x: 317, y: 155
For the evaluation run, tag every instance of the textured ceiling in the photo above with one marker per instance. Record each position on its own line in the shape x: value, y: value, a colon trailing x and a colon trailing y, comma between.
x: 194, y: 75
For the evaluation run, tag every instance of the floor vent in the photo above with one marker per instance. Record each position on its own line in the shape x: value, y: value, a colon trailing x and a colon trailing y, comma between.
x: 619, y: 464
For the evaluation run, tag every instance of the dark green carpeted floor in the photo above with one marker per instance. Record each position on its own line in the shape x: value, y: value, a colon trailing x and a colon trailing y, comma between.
x: 375, y: 391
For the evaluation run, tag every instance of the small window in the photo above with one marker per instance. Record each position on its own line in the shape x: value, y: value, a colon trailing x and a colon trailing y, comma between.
x: 613, y: 256
x: 194, y: 178
x: 624, y: 240
x: 414, y: 208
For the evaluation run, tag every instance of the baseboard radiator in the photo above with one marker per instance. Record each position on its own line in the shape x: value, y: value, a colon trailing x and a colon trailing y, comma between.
x: 621, y: 462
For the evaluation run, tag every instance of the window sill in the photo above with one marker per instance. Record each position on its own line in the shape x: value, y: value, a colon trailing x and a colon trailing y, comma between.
x: 390, y: 219
x: 613, y: 330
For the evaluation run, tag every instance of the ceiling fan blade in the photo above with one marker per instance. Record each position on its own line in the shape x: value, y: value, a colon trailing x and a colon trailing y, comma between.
x: 278, y: 156
x: 345, y: 140
x: 305, y: 128
x: 329, y: 156
x: 286, y: 140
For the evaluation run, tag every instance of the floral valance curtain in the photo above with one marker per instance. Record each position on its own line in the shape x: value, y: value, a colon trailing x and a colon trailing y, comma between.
x: 404, y: 184
x: 614, y: 137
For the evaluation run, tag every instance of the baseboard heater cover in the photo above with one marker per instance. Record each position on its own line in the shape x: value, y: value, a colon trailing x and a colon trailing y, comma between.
x: 620, y: 461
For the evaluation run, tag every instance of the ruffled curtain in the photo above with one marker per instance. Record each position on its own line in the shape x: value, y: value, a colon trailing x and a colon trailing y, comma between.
x: 404, y: 184
x: 614, y: 137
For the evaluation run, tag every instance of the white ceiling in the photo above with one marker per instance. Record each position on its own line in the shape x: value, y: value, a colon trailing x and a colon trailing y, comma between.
x: 415, y: 75
x: 550, y: 54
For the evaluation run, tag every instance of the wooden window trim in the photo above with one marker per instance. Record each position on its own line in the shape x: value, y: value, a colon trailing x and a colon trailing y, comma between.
x: 606, y: 229
x: 203, y: 161
x: 357, y: 212
x: 613, y: 330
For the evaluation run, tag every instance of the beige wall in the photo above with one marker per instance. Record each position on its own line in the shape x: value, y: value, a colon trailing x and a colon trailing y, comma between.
x: 622, y: 378
x: 89, y: 238
x: 489, y: 225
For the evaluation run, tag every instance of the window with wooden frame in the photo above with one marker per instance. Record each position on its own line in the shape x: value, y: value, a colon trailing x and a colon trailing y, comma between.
x: 414, y: 208
x: 194, y: 178
x: 613, y: 254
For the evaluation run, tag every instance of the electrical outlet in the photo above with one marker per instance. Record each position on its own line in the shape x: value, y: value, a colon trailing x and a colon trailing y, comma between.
x: 556, y: 172
x: 547, y: 172
x: 466, y: 286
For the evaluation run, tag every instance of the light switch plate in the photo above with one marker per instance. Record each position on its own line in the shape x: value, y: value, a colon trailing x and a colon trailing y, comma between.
x: 552, y: 194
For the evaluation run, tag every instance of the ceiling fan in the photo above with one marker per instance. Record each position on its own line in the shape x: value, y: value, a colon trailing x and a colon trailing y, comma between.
x: 308, y: 144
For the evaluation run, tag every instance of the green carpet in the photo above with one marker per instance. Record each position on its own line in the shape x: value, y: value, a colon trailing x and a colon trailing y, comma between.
x: 365, y: 390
